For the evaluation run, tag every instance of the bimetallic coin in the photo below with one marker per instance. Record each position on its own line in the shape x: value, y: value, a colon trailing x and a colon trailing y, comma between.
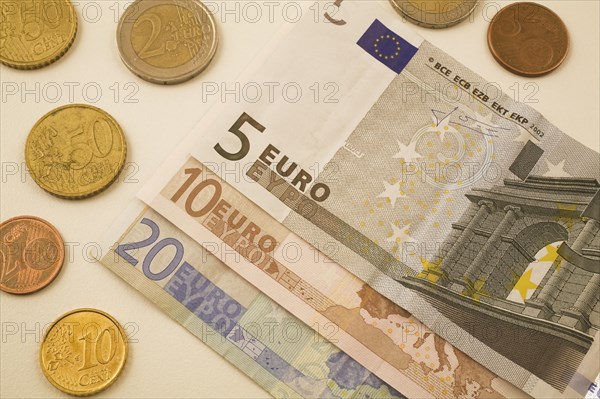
x: 35, y: 33
x: 167, y: 41
x: 435, y: 14
x: 75, y: 151
x: 528, y: 39
x: 83, y: 352
x: 32, y: 253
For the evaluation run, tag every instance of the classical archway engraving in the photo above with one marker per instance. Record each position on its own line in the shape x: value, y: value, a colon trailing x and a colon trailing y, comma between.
x: 484, y: 258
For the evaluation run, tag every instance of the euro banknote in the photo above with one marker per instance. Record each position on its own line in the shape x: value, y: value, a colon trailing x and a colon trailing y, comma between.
x: 379, y: 334
x: 278, y: 351
x: 468, y: 209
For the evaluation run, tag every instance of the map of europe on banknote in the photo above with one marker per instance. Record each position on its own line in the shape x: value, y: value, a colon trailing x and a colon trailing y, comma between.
x: 380, y: 335
x: 243, y: 325
x: 466, y: 208
x: 279, y: 351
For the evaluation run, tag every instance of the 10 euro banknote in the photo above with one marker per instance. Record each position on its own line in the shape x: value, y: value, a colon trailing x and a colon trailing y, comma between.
x: 466, y: 208
x: 258, y: 336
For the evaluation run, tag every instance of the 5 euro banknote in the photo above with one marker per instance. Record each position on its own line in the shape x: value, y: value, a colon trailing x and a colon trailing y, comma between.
x: 466, y: 208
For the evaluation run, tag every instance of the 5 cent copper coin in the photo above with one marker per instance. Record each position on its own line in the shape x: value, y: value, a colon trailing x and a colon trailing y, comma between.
x: 528, y: 39
x: 32, y: 253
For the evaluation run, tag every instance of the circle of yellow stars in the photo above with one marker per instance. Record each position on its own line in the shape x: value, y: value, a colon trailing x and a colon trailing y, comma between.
x: 396, y: 42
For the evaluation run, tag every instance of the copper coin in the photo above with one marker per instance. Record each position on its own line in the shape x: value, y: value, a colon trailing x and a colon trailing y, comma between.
x: 32, y: 253
x: 528, y: 39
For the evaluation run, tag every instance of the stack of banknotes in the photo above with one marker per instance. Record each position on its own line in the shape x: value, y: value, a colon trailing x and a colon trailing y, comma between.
x: 419, y: 235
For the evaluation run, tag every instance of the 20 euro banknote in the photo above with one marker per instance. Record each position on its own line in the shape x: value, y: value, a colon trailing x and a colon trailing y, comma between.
x: 221, y: 309
x: 468, y: 209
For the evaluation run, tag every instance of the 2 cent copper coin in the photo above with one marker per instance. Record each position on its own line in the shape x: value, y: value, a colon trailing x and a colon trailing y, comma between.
x: 528, y: 39
x: 32, y: 253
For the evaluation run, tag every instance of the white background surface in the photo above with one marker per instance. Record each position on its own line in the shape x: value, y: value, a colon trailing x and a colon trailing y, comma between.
x: 167, y: 361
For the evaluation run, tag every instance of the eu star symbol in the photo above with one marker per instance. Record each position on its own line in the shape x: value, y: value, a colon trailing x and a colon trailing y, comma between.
x: 441, y: 127
x: 393, y: 45
x: 400, y: 234
x: 391, y: 192
x: 557, y: 170
x: 431, y: 270
x: 525, y: 284
x: 408, y: 152
x: 475, y: 289
x: 387, y: 47
x: 551, y: 254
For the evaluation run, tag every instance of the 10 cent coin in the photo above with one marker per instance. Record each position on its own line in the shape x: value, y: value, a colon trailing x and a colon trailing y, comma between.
x: 83, y: 352
x: 166, y: 41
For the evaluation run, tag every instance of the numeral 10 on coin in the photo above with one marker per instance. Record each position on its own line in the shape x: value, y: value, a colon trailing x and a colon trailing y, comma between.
x: 93, y: 349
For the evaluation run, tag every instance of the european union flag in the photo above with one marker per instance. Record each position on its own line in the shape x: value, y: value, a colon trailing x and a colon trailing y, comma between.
x: 387, y: 47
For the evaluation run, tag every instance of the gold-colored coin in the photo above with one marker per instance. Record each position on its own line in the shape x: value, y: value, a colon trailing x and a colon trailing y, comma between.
x: 83, y: 352
x: 167, y: 41
x: 75, y: 151
x: 35, y: 33
x: 435, y: 14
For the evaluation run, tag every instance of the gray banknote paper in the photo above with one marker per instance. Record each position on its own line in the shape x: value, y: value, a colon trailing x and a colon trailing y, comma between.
x: 423, y: 179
